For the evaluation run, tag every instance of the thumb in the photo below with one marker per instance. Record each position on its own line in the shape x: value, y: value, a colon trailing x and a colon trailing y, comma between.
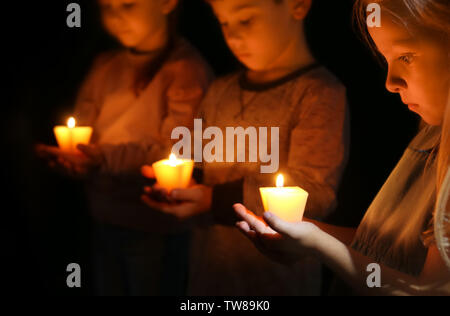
x: 277, y: 224
x: 148, y: 172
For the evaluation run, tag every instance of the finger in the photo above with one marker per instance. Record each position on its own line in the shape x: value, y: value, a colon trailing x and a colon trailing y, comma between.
x: 39, y: 149
x: 51, y: 164
x: 159, y: 206
x: 48, y: 150
x: 81, y: 170
x: 245, y: 229
x: 68, y: 166
x: 158, y: 188
x: 192, y: 194
x: 148, y: 190
x: 148, y: 172
x: 243, y: 226
x: 255, y: 222
x: 278, y: 224
x: 158, y: 195
x: 259, y: 244
x: 60, y: 160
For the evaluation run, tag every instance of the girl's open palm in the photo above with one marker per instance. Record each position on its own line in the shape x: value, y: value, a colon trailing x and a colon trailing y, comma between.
x: 281, y: 241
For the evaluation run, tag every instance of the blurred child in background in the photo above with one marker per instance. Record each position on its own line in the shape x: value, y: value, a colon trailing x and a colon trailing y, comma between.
x: 133, y: 98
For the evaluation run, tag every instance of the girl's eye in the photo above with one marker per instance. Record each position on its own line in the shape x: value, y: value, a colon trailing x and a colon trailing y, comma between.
x: 407, y: 59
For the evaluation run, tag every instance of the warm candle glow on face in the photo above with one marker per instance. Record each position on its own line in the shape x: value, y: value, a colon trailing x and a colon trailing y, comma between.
x: 71, y: 122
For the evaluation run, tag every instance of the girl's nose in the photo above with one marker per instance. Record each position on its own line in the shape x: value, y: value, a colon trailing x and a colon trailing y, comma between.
x: 394, y: 82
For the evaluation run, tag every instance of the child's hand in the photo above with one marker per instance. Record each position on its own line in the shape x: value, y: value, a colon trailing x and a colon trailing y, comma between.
x: 71, y: 164
x: 281, y: 241
x: 181, y: 203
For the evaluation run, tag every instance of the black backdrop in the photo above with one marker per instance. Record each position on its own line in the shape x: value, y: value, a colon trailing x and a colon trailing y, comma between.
x: 44, y: 220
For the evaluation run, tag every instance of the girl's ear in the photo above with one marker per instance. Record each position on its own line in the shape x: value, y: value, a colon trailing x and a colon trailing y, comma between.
x: 168, y: 6
x: 300, y: 8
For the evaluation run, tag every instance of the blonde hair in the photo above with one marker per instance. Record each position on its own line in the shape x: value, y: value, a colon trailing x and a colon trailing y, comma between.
x: 444, y: 150
x: 433, y: 17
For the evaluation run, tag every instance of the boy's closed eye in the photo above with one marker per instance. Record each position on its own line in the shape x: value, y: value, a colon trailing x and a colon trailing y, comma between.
x: 129, y: 5
x: 407, y: 58
x: 246, y: 22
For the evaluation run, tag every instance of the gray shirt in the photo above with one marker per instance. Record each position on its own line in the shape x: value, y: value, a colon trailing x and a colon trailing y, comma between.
x: 393, y: 228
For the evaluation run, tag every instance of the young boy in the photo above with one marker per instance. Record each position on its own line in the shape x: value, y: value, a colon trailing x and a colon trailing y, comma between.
x: 282, y: 86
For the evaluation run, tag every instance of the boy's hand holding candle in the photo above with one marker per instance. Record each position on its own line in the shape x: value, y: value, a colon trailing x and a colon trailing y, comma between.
x: 183, y: 197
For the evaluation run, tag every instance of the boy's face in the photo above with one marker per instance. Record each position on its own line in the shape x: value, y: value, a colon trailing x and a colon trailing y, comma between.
x: 418, y: 68
x: 258, y: 32
x: 132, y: 22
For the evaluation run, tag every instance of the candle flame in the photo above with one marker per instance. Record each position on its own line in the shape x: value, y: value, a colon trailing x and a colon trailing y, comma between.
x: 280, y: 181
x: 71, y: 122
x: 174, y: 161
x: 173, y: 158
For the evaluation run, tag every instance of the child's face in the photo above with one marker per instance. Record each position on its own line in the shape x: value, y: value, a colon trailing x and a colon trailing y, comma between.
x: 258, y: 32
x: 132, y: 22
x: 417, y: 68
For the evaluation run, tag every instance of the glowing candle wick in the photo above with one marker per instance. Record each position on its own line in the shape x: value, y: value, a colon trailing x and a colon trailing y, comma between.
x: 280, y: 181
x: 71, y: 122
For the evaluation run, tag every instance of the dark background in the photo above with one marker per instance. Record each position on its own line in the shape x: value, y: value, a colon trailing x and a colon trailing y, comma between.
x: 45, y: 225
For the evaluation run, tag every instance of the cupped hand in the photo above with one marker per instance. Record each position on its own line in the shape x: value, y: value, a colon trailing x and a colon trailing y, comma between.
x: 75, y: 164
x: 181, y: 203
x: 283, y: 242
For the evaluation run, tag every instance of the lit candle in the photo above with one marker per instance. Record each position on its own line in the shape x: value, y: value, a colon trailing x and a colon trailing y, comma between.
x: 288, y: 203
x: 173, y: 173
x: 68, y: 137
